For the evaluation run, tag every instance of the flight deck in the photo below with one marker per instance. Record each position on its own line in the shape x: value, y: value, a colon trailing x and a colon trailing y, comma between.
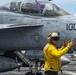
x: 69, y: 69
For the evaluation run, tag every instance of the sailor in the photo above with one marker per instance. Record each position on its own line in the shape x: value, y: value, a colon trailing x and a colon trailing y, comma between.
x: 52, y: 55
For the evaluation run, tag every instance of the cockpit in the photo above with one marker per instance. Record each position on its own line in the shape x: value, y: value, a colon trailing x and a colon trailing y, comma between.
x: 43, y: 7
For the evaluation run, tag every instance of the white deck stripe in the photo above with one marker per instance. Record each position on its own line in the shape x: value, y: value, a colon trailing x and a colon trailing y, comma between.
x: 68, y: 72
x: 16, y: 72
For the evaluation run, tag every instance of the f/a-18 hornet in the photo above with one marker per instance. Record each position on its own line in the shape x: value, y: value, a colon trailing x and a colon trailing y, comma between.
x: 25, y: 25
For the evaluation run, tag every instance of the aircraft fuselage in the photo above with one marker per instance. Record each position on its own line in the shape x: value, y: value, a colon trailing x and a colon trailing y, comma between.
x: 34, y: 37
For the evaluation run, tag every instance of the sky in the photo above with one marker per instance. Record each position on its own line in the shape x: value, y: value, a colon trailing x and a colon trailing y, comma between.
x: 67, y: 5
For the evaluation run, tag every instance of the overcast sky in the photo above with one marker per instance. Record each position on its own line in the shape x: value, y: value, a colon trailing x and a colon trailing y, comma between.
x: 68, y: 5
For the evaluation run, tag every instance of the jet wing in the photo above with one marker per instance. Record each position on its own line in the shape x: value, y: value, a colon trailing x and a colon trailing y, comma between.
x: 7, y: 26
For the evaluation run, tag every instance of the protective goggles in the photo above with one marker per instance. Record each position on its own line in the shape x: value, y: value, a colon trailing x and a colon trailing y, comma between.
x: 55, y: 38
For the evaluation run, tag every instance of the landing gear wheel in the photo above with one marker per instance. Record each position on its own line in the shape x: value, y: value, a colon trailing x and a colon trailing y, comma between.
x: 39, y: 73
x: 29, y: 73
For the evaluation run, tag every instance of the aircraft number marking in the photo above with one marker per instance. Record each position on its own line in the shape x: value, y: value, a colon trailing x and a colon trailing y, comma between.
x: 36, y: 52
x: 71, y: 26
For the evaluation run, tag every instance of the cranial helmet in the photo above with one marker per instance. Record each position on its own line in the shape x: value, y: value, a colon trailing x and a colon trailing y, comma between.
x: 54, y: 35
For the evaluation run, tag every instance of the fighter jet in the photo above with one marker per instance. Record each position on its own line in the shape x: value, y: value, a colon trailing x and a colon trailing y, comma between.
x: 25, y: 25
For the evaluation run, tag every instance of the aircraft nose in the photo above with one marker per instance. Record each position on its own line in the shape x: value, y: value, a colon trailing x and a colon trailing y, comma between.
x: 65, y: 60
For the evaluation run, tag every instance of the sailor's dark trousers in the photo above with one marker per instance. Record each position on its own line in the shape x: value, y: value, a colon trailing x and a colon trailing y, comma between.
x: 51, y: 73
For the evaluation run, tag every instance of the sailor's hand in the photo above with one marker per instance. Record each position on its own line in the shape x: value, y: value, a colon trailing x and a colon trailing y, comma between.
x: 71, y: 43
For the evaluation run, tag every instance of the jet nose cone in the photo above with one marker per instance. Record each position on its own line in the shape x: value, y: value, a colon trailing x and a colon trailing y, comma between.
x: 65, y: 60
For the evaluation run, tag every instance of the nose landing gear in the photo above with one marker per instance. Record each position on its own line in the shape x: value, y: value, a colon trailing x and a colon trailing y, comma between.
x: 35, y: 68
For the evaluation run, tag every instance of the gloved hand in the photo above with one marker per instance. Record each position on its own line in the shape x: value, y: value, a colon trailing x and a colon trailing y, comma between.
x: 71, y: 43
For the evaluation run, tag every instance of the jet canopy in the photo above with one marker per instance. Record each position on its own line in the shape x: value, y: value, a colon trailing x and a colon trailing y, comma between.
x: 44, y: 7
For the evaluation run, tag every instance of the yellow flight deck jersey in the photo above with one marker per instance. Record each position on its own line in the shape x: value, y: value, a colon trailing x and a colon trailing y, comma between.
x: 52, y: 57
